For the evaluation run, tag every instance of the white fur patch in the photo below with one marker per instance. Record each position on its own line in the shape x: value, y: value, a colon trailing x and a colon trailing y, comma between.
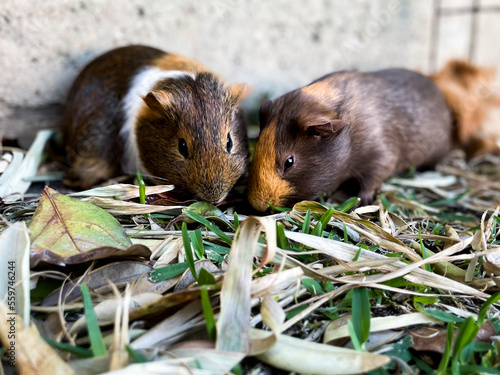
x: 132, y: 103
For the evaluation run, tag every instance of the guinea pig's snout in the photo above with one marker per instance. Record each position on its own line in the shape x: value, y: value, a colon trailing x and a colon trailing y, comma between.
x: 212, y: 192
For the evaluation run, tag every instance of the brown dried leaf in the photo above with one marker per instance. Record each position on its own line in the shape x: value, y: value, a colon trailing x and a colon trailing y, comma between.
x: 119, y: 273
x: 32, y: 354
x: 67, y: 231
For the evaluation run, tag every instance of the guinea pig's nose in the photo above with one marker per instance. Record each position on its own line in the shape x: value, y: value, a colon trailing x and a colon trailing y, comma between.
x: 212, y: 192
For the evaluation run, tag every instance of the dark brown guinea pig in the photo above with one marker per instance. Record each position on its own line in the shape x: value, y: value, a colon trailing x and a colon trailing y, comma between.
x: 139, y: 108
x: 347, y: 127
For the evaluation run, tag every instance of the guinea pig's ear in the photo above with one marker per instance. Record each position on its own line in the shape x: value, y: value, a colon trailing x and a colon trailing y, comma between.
x: 264, y: 109
x: 158, y: 100
x: 323, y: 126
x: 240, y: 91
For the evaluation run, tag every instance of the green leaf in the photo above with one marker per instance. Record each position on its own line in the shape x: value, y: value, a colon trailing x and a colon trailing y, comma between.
x: 318, y: 229
x: 280, y: 235
x: 443, y: 316
x: 208, y: 313
x: 205, y: 277
x: 325, y: 218
x: 277, y: 209
x: 142, y: 188
x: 354, y: 336
x: 348, y: 204
x: 214, y: 228
x: 456, y: 217
x: 307, y: 222
x: 296, y: 310
x: 486, y: 305
x: 312, y: 286
x: 188, y: 251
x: 168, y: 272
x: 75, y: 350
x: 476, y: 369
x: 425, y: 300
x: 138, y: 357
x: 96, y: 341
x: 236, y: 221
x: 361, y: 314
x: 346, y: 235
x: 443, y: 364
x: 423, y: 251
x: 465, y: 336
x: 197, y: 241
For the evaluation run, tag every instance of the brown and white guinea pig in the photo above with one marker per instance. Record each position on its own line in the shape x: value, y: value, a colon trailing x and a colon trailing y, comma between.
x: 474, y: 98
x: 139, y: 108
x: 347, y: 128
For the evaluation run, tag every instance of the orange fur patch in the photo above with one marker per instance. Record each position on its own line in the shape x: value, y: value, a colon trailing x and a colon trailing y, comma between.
x: 265, y: 185
x: 172, y: 61
x: 322, y: 91
x: 469, y: 91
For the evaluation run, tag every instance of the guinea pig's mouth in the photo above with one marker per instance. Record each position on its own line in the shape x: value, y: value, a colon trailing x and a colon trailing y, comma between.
x: 211, y: 196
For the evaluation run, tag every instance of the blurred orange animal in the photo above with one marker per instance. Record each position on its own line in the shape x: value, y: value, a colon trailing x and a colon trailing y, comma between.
x: 474, y: 98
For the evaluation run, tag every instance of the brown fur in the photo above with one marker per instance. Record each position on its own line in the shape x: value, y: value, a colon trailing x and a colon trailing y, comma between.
x: 200, y: 109
x: 272, y: 187
x: 348, y: 128
x: 469, y: 91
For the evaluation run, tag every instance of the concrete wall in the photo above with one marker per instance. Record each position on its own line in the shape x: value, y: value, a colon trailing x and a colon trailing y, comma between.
x: 274, y: 46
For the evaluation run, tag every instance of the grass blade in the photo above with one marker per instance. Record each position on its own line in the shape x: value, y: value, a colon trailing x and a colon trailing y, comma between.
x: 208, y: 313
x: 95, y: 335
x: 307, y: 222
x: 280, y: 233
x: 75, y: 350
x: 214, y: 228
x: 484, y: 309
x: 361, y: 314
x: 168, y: 272
x: 188, y: 251
x: 138, y: 357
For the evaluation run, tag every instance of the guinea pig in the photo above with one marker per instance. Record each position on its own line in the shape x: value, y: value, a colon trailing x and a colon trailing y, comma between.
x: 139, y: 108
x: 474, y: 100
x: 347, y: 128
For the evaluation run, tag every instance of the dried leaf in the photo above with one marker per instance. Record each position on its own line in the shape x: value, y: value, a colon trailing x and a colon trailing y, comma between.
x: 67, y: 231
x: 233, y: 323
x: 119, y: 273
x: 172, y: 326
x: 334, y: 331
x: 14, y: 252
x: 32, y: 355
x: 105, y: 310
x: 16, y: 180
x: 116, y: 207
x: 171, y: 302
x: 432, y: 339
x: 122, y: 191
x: 301, y: 356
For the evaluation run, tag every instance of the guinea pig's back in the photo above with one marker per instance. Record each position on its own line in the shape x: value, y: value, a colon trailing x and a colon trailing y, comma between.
x: 102, y: 84
x: 417, y: 119
x: 94, y: 113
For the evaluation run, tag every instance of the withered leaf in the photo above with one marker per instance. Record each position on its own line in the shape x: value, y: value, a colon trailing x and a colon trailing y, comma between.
x: 119, y: 273
x: 67, y: 231
x: 431, y: 339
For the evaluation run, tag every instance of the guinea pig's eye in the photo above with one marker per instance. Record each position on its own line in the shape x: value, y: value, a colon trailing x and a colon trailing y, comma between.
x: 229, y: 143
x: 183, y: 147
x: 289, y: 162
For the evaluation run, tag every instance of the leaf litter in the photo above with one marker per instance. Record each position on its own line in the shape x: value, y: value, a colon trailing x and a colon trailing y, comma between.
x: 281, y: 292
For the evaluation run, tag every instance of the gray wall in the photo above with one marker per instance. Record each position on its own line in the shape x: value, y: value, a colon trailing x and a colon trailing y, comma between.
x: 274, y: 46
